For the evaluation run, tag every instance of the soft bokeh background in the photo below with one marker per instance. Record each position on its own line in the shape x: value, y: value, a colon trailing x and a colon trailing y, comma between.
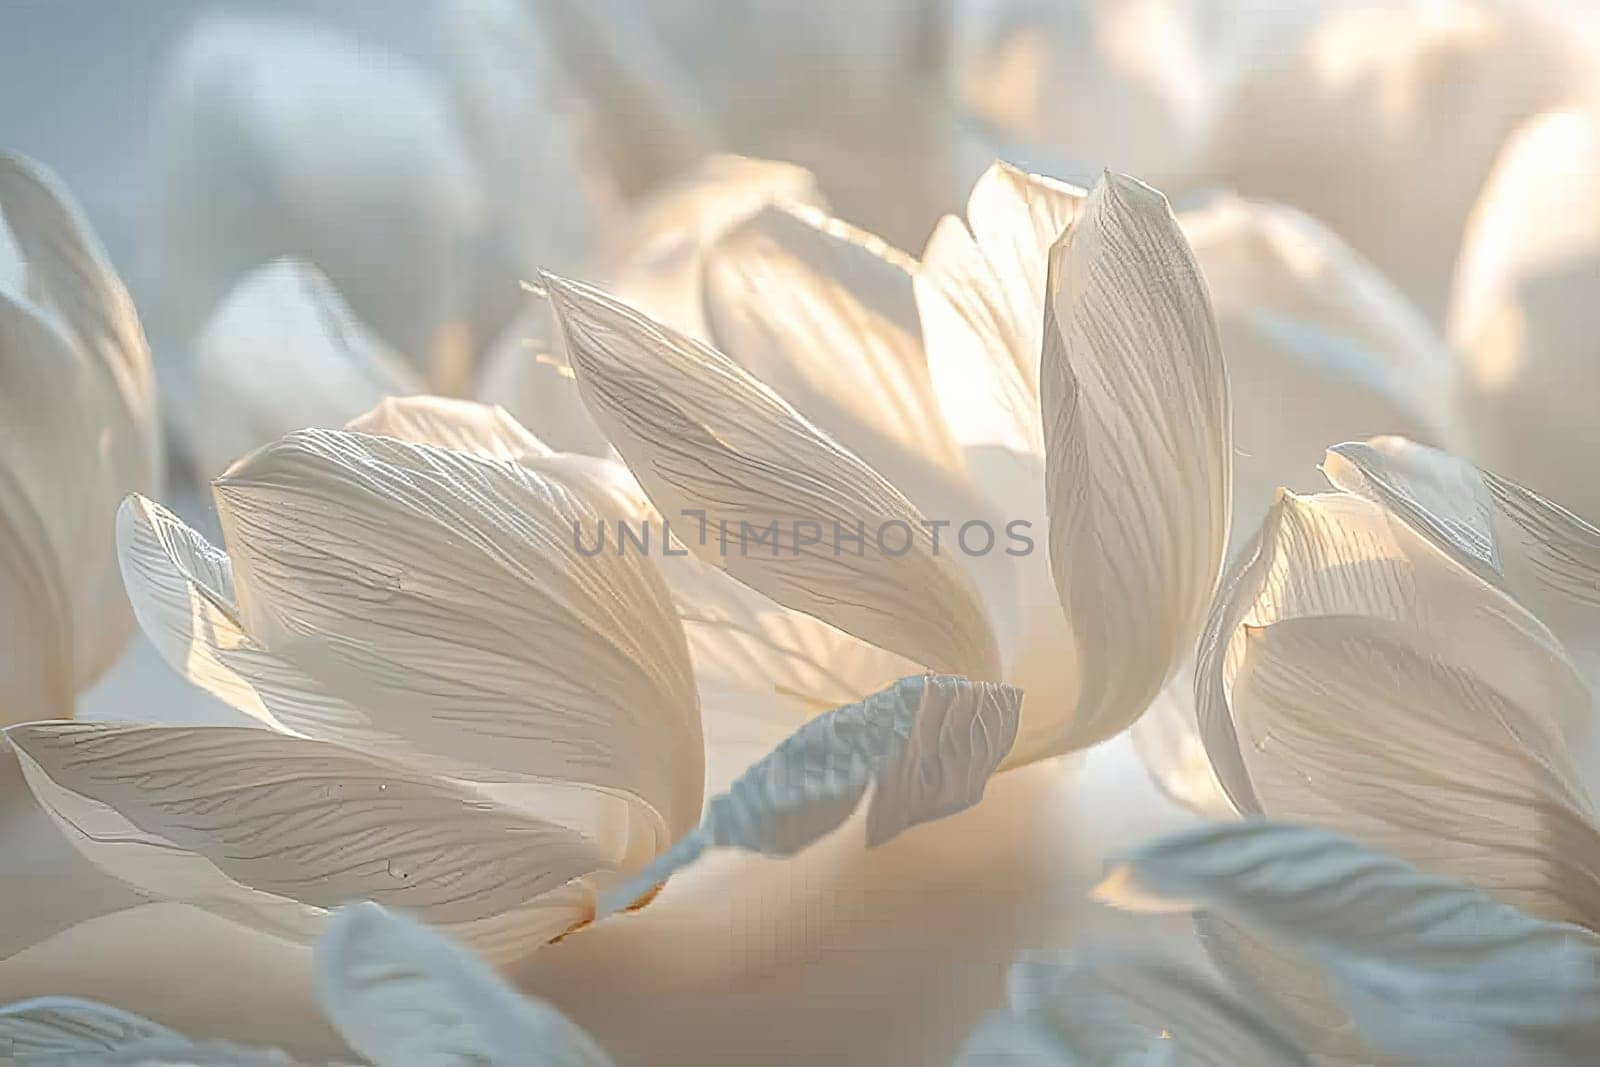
x: 882, y: 957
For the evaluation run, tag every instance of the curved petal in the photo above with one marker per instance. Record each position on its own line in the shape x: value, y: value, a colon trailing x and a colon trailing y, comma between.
x: 1137, y: 448
x: 1522, y: 313
x: 1350, y: 723
x: 401, y: 994
x: 1302, y: 316
x: 1340, y: 555
x: 82, y: 396
x: 283, y: 351
x: 993, y: 270
x: 705, y: 439
x: 927, y: 744
x: 449, y: 595
x: 36, y: 664
x: 1104, y: 1008
x: 259, y: 158
x: 1535, y: 549
x: 59, y: 484
x: 789, y: 284
x: 483, y: 429
x: 738, y: 639
x: 69, y: 274
x: 57, y: 1028
x: 1434, y: 971
x: 51, y: 1031
x: 272, y: 831
x: 657, y: 261
x: 526, y: 373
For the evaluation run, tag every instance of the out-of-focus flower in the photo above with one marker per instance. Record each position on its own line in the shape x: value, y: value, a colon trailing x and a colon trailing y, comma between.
x: 1384, y: 121
x: 850, y: 92
x: 397, y: 992
x: 78, y: 430
x: 1431, y: 970
x: 279, y: 138
x: 283, y: 352
x: 1523, y: 314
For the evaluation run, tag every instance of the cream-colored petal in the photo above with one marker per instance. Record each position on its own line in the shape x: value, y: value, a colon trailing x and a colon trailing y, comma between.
x: 542, y: 197
x: 36, y: 643
x: 738, y: 639
x: 81, y: 425
x: 446, y: 595
x: 1320, y: 348
x: 1100, y: 1007
x: 1137, y: 446
x: 927, y: 745
x: 985, y: 397
x: 68, y: 273
x: 59, y: 485
x: 826, y: 316
x: 258, y: 157
x: 48, y: 1031
x: 526, y: 373
x: 483, y: 429
x: 273, y: 830
x: 1521, y: 312
x: 996, y: 280
x: 1353, y: 724
x: 281, y: 352
x: 1434, y: 972
x: 706, y: 439
x: 1341, y: 555
x: 657, y: 260
x: 403, y: 995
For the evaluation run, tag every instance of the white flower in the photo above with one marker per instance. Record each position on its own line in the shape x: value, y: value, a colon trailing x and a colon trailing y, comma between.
x: 1522, y: 314
x: 78, y: 430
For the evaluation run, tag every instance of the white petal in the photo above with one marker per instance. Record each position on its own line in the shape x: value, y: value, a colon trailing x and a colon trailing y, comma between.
x: 705, y: 438
x: 272, y: 830
x: 284, y: 351
x: 657, y: 262
x: 788, y: 284
x: 1433, y: 971
x: 1103, y: 1008
x: 401, y: 994
x: 995, y: 278
x: 59, y: 1027
x: 649, y: 121
x: 928, y: 745
x: 482, y: 429
x: 1352, y: 724
x: 1136, y: 416
x: 69, y: 274
x: 1339, y: 555
x: 1521, y: 314
x: 36, y: 664
x: 56, y: 1031
x: 1303, y: 316
x: 526, y: 373
x: 259, y: 158
x: 446, y: 594
x: 517, y: 114
x: 79, y: 425
x: 58, y: 488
